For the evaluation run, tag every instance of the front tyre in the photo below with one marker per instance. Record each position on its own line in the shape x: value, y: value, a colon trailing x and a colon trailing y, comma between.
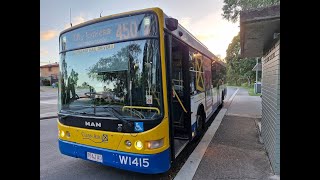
x: 200, y: 124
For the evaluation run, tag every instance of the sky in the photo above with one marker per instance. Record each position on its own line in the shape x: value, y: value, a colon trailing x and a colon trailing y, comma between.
x: 200, y: 17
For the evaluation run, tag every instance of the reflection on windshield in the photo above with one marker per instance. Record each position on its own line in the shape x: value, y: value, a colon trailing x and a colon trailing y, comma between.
x: 124, y: 75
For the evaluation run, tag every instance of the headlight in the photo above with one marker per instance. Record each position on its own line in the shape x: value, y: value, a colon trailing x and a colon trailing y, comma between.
x: 62, y: 133
x: 155, y: 144
x: 138, y: 145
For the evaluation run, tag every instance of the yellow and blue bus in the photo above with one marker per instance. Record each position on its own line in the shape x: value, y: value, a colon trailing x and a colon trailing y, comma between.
x: 134, y: 89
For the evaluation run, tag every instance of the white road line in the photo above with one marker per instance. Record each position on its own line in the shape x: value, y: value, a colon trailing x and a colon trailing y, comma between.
x: 53, y: 101
x: 231, y: 98
x: 190, y: 167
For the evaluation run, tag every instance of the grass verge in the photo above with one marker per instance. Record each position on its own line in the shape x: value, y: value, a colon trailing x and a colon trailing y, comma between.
x: 251, y: 91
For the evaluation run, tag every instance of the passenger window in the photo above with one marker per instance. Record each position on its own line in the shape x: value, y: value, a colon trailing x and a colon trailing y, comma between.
x: 214, y: 74
x: 177, y: 75
x: 196, y: 72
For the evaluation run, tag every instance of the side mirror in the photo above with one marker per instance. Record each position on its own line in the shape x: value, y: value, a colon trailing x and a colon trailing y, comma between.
x: 171, y: 24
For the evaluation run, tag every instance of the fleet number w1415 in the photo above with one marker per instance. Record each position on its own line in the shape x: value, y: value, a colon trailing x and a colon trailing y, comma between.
x: 141, y: 162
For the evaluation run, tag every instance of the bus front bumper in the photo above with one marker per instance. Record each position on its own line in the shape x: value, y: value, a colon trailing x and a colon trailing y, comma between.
x: 143, y: 163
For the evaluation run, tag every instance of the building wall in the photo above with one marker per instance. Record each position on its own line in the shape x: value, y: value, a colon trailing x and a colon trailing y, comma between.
x: 46, y: 73
x: 270, y: 122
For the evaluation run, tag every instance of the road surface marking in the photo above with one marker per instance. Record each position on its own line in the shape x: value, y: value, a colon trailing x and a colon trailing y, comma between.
x: 231, y: 98
x: 52, y: 101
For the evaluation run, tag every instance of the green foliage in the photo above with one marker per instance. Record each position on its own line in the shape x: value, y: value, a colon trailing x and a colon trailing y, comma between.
x: 239, y: 70
x: 68, y: 84
x: 251, y: 92
x: 114, y: 68
x: 245, y: 84
x: 231, y: 8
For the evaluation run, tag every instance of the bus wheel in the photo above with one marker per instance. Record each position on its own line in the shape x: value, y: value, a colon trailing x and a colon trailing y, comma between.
x: 222, y: 100
x: 199, y: 124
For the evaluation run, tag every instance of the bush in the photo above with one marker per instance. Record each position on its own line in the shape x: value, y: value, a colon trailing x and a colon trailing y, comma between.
x: 245, y: 84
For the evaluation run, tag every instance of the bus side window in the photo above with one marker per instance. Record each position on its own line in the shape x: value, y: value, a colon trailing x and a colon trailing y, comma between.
x: 192, y: 73
x: 177, y: 71
x: 214, y: 74
x: 196, y: 72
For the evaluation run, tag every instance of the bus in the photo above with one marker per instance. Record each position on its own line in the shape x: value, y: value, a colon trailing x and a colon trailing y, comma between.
x: 134, y: 89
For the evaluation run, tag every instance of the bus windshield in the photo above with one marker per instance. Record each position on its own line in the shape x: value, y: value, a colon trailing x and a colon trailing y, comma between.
x: 125, y: 76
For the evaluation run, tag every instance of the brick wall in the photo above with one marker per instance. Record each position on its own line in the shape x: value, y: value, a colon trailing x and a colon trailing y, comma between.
x: 270, y: 123
x: 44, y: 71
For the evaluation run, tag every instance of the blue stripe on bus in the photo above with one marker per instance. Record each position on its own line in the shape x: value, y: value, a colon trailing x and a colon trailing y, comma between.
x: 143, y: 163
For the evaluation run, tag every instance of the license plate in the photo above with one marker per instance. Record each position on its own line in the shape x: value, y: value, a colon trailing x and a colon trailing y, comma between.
x: 94, y: 157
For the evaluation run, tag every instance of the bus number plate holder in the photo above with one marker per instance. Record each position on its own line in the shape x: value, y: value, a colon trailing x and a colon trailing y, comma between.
x: 94, y: 157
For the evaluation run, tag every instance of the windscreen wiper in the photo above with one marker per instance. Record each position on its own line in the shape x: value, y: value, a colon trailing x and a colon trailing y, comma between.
x: 127, y: 125
x: 71, y: 113
x: 62, y: 115
x: 77, y: 113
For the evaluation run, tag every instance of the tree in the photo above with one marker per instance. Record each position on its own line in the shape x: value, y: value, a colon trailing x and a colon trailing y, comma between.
x: 114, y: 68
x: 72, y: 83
x: 63, y: 79
x: 238, y: 70
x: 231, y: 8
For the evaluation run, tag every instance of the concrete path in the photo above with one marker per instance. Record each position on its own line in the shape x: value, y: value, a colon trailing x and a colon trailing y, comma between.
x: 235, y: 151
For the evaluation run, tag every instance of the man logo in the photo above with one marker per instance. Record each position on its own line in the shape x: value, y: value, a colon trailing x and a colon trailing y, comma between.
x: 92, y: 124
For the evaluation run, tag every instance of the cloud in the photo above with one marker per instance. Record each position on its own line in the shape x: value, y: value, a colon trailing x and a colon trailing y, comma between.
x: 185, y: 21
x: 205, y: 36
x: 76, y: 20
x: 43, y: 53
x: 215, y: 32
x: 48, y: 35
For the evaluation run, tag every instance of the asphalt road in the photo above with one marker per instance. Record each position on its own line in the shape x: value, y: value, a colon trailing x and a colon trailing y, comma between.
x: 230, y: 91
x: 48, y: 103
x: 54, y: 165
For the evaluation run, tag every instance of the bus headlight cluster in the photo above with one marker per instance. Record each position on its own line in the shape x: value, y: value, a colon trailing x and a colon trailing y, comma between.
x: 138, y: 145
x: 155, y: 144
x: 62, y: 133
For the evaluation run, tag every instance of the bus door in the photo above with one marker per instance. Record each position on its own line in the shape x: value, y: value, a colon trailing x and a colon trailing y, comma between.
x: 180, y: 89
x: 179, y: 93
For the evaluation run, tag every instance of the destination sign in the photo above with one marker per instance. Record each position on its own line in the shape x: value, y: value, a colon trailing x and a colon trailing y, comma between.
x: 137, y: 26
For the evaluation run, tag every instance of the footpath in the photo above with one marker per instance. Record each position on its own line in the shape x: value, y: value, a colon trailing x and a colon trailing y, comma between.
x: 233, y: 150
